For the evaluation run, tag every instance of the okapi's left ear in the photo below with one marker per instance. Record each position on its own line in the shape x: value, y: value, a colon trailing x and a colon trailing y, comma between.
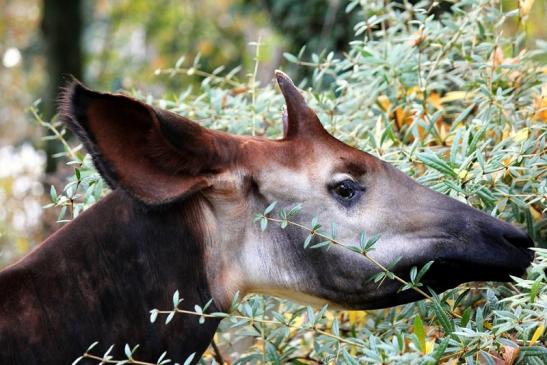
x: 155, y: 155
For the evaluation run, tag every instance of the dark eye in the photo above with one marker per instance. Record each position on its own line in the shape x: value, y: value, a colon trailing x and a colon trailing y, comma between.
x: 346, y: 192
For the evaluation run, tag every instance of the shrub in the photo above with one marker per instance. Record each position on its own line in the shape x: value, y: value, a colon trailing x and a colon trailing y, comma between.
x: 449, y: 100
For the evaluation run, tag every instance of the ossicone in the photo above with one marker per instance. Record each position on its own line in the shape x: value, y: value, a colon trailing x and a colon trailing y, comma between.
x: 300, y: 121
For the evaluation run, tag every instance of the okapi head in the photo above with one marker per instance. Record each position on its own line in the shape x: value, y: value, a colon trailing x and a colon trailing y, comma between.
x: 160, y: 158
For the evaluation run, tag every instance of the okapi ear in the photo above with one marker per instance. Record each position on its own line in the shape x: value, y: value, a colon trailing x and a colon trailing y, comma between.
x: 300, y: 120
x: 156, y: 156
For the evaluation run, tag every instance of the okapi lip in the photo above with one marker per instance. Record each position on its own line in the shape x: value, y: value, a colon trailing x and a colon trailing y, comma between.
x: 448, y: 273
x: 457, y: 271
x: 444, y: 274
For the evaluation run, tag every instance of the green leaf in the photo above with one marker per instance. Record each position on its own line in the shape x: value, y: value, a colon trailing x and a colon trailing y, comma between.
x: 479, y: 319
x: 235, y: 301
x: 189, y: 359
x: 209, y: 302
x: 294, y: 210
x: 308, y: 240
x: 321, y: 244
x: 176, y: 299
x: 180, y: 61
x: 270, y: 207
x: 169, y: 317
x: 527, y: 352
x: 314, y: 224
x: 423, y: 271
x: 311, y: 315
x: 438, y: 352
x: 464, y: 114
x: 443, y: 319
x: 161, y: 360
x: 432, y: 160
x: 53, y: 194
x: 75, y: 362
x: 348, y: 359
x: 153, y: 315
x: 127, y: 351
x: 419, y: 331
x: 263, y: 224
x: 466, y: 316
x: 487, y: 358
x: 413, y: 273
x: 289, y: 57
x: 335, y: 327
x: 534, y: 290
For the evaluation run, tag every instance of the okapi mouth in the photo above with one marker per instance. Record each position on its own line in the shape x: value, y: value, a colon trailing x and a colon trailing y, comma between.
x: 446, y: 274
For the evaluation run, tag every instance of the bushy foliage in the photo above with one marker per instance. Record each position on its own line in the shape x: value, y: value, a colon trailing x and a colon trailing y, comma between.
x: 451, y: 102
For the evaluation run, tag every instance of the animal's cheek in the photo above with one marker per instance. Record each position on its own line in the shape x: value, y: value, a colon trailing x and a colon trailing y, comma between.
x: 287, y: 191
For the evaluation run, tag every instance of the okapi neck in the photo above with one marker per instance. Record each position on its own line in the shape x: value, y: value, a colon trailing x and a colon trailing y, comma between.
x: 98, y: 277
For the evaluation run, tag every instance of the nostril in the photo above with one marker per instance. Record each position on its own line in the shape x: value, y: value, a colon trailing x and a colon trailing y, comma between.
x: 519, y: 239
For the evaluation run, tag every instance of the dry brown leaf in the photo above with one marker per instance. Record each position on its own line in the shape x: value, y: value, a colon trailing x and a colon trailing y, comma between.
x: 510, y: 354
x: 497, y: 57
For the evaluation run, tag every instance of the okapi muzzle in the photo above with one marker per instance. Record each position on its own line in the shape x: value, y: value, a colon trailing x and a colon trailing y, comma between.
x: 180, y: 217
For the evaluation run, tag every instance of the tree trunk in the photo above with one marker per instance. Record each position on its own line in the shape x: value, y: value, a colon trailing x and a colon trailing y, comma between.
x: 61, y: 29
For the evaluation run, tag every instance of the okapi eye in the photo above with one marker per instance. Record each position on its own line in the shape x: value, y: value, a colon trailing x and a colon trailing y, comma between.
x: 346, y: 191
x: 343, y: 190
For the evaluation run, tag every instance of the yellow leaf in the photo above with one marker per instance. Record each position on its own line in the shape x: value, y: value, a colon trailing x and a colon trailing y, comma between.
x: 435, y: 100
x: 403, y: 117
x: 259, y: 344
x: 537, y: 334
x: 536, y: 215
x: 22, y: 244
x: 414, y: 90
x: 429, y: 345
x: 462, y: 174
x: 524, y: 7
x: 454, y: 95
x: 487, y: 325
x: 384, y: 102
x: 521, y: 135
x: 329, y: 315
x: 356, y: 317
x: 540, y: 104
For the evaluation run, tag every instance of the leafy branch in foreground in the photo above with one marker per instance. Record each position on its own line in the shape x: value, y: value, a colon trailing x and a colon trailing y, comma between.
x: 310, y: 325
x: 129, y: 352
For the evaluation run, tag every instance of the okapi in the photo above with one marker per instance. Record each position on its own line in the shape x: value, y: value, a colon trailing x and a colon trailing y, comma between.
x: 179, y: 217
